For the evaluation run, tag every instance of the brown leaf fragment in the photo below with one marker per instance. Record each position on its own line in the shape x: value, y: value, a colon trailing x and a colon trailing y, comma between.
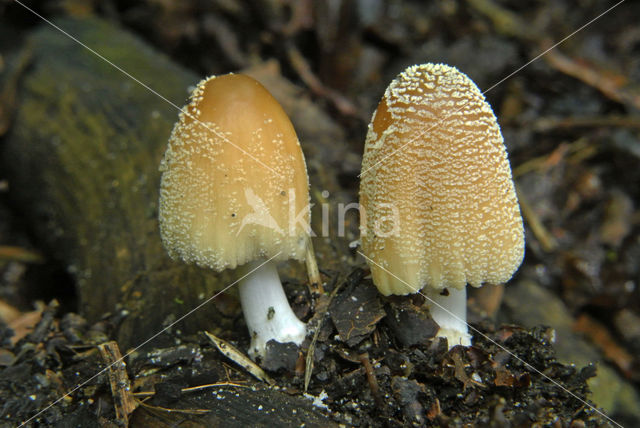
x: 628, y: 325
x: 577, y: 423
x: 601, y: 337
x: 356, y: 312
x: 616, y: 224
x: 506, y: 331
x: 477, y: 356
x: 8, y: 313
x: 55, y: 380
x: 487, y: 298
x: 504, y: 378
x: 347, y: 354
x: 459, y: 368
x: 25, y: 323
x: 435, y: 410
x: 524, y: 380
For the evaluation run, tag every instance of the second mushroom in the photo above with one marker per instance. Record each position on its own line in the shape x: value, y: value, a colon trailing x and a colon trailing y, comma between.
x: 438, y: 205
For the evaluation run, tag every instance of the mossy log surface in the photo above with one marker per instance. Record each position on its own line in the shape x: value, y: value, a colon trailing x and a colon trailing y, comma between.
x: 82, y: 160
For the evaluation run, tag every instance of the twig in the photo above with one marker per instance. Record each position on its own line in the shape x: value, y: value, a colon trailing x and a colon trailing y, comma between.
x: 504, y: 21
x: 547, y: 241
x: 544, y: 124
x: 123, y: 400
x: 42, y: 329
x: 574, y: 152
x: 600, y: 336
x: 459, y: 372
x: 373, y: 381
x: 168, y: 410
x: 315, y: 282
x: 213, y: 385
x: 613, y: 85
x: 193, y: 388
x: 435, y: 410
x: 542, y: 163
x: 18, y: 254
x: 239, y: 358
x: 301, y: 66
x: 322, y: 310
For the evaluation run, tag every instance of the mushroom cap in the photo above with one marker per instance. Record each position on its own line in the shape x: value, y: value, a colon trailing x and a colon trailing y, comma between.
x: 234, y: 184
x: 438, y: 204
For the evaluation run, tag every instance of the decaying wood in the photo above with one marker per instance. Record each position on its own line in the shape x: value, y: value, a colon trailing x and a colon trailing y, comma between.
x: 82, y: 158
x: 230, y: 406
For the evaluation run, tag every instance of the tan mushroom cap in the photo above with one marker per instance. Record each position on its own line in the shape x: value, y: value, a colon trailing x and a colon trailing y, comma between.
x: 234, y: 182
x: 434, y: 154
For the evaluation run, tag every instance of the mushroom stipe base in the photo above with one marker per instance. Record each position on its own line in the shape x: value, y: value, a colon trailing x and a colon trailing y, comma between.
x: 449, y: 309
x: 266, y: 309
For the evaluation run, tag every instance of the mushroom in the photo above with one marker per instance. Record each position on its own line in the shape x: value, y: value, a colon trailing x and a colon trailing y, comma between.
x: 234, y: 192
x: 435, y: 157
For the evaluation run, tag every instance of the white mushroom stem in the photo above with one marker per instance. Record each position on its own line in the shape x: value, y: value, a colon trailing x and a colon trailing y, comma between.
x: 266, y: 309
x: 450, y: 312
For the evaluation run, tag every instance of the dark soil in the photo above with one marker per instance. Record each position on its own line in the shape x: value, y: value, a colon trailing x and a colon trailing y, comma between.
x: 367, y: 378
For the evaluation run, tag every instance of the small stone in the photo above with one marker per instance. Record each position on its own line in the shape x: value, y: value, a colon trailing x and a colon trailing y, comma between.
x: 408, y: 393
x: 280, y: 356
x: 410, y: 324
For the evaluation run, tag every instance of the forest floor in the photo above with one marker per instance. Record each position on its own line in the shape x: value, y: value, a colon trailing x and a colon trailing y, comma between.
x: 559, y: 347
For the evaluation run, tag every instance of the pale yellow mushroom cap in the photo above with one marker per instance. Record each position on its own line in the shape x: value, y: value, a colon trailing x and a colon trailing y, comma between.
x: 435, y: 168
x: 234, y: 182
